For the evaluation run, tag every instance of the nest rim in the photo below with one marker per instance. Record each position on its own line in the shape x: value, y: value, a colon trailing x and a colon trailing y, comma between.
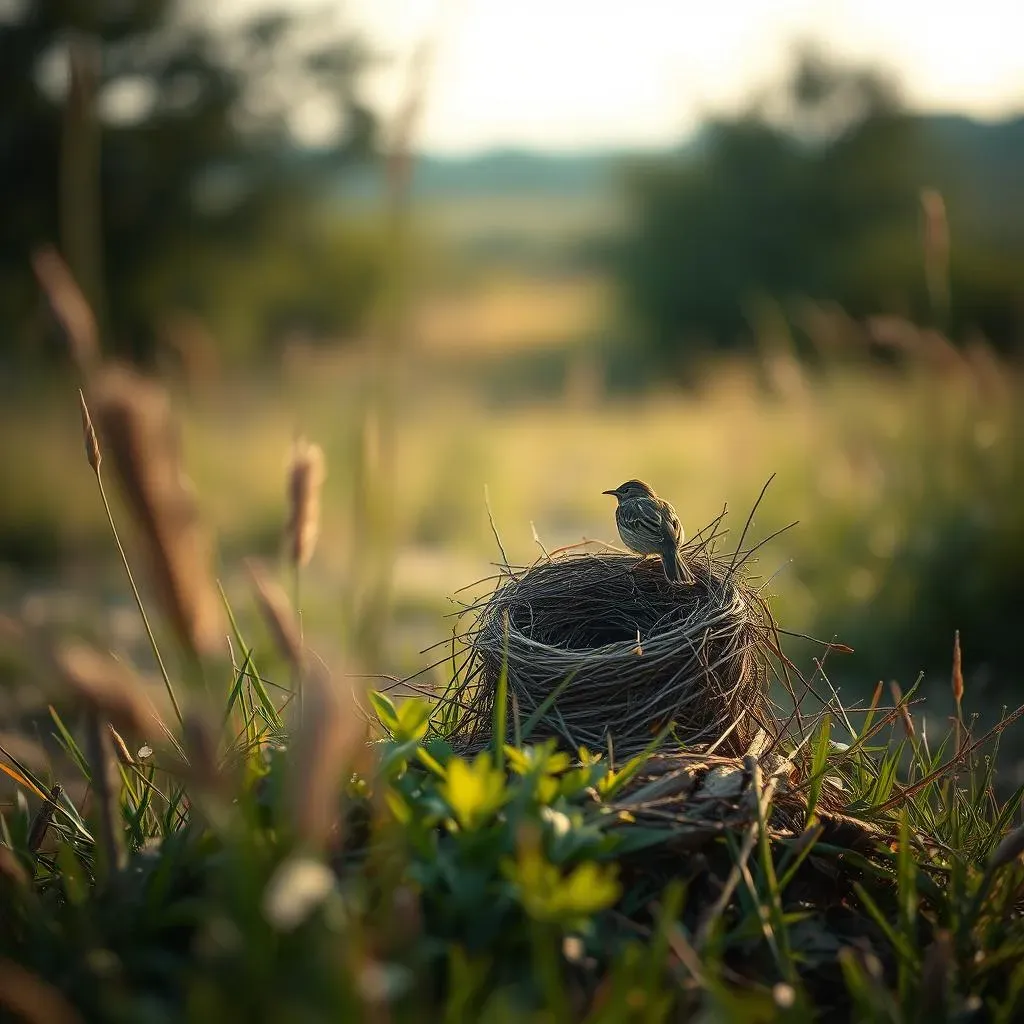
x: 699, y: 649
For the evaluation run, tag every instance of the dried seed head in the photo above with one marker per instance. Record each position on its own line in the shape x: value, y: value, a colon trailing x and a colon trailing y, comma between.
x: 936, y: 222
x: 92, y: 446
x: 30, y: 999
x: 958, y: 673
x: 106, y: 686
x: 876, y: 697
x: 120, y: 747
x: 936, y: 972
x: 305, y: 480
x: 12, y: 869
x: 200, y: 744
x: 1008, y: 850
x: 328, y: 738
x: 277, y: 613
x: 141, y: 438
x: 904, y: 711
x: 69, y: 306
x: 24, y: 752
x: 43, y: 817
x: 106, y: 787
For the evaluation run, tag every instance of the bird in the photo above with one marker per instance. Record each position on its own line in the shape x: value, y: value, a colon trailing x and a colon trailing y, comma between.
x: 649, y: 525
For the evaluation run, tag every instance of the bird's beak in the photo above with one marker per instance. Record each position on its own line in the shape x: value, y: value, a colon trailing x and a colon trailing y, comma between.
x: 614, y: 494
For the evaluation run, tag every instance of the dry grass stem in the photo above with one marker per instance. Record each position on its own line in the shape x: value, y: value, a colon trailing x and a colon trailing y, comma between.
x: 958, y: 672
x: 124, y: 755
x: 200, y: 745
x: 92, y: 445
x: 305, y: 480
x: 327, y: 742
x: 141, y: 438
x: 936, y: 246
x: 904, y: 711
x: 11, y: 869
x: 32, y: 1000
x: 106, y: 784
x: 278, y: 614
x: 762, y: 799
x: 43, y: 817
x: 70, y: 308
x: 1011, y: 847
x: 108, y: 687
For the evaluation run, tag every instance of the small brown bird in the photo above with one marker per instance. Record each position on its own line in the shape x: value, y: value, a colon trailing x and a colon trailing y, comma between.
x: 649, y: 525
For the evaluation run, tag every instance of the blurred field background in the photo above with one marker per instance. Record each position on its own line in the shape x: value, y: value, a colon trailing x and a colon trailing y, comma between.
x: 823, y: 282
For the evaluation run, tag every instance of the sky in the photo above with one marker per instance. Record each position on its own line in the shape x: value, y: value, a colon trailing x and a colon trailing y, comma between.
x: 584, y: 74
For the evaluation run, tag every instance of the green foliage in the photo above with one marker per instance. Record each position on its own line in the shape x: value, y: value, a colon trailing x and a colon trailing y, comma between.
x: 815, y: 193
x: 943, y: 550
x: 474, y: 791
x: 312, y: 272
x: 520, y: 882
x: 173, y: 159
x: 475, y: 889
x: 455, y: 888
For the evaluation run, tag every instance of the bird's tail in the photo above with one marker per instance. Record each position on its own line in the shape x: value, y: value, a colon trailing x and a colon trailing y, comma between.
x: 676, y: 568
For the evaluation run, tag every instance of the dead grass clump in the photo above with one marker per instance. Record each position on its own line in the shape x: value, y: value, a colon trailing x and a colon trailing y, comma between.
x: 139, y: 433
x: 305, y: 480
x: 630, y: 654
x: 107, y: 687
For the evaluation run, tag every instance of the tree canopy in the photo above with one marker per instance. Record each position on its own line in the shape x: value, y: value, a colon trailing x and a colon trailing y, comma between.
x: 145, y: 139
x: 815, y: 192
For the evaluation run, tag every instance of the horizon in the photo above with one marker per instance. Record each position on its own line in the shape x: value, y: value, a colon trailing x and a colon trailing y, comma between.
x: 580, y: 76
x: 613, y: 149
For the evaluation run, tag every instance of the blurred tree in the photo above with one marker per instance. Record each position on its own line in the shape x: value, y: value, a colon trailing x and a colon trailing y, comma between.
x: 711, y: 230
x: 814, y: 192
x: 190, y: 151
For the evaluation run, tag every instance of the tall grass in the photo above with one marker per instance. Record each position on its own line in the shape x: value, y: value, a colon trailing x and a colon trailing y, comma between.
x: 249, y: 862
x: 901, y: 482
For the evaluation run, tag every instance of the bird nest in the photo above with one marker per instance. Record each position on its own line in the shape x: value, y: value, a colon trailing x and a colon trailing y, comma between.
x: 598, y: 649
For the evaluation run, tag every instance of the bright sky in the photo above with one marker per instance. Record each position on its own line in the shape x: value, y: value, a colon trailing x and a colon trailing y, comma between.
x: 564, y: 74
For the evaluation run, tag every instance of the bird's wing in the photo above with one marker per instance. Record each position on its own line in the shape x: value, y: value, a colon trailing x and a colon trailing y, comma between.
x: 641, y: 516
x: 671, y: 526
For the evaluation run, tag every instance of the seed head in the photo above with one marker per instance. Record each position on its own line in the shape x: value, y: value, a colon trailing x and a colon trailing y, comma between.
x: 305, y: 480
x: 43, y: 817
x: 140, y: 436
x: 904, y: 711
x: 105, y: 686
x: 277, y: 613
x: 326, y: 744
x: 1011, y: 847
x: 958, y: 672
x: 69, y: 306
x: 92, y: 445
x: 121, y: 748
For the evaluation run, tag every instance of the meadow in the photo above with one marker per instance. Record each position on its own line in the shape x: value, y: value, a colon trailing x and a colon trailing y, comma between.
x: 903, y: 481
x: 264, y: 856
x: 325, y: 693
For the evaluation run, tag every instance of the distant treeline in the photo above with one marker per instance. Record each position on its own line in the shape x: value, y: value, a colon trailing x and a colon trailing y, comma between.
x: 827, y: 191
x: 155, y: 150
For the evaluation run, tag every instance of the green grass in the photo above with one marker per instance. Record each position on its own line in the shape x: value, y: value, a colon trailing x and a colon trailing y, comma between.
x: 906, y: 488
x: 455, y: 889
x: 265, y: 862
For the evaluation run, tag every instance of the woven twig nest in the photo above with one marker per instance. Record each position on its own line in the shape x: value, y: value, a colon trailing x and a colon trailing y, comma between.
x: 629, y: 652
x: 699, y: 797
